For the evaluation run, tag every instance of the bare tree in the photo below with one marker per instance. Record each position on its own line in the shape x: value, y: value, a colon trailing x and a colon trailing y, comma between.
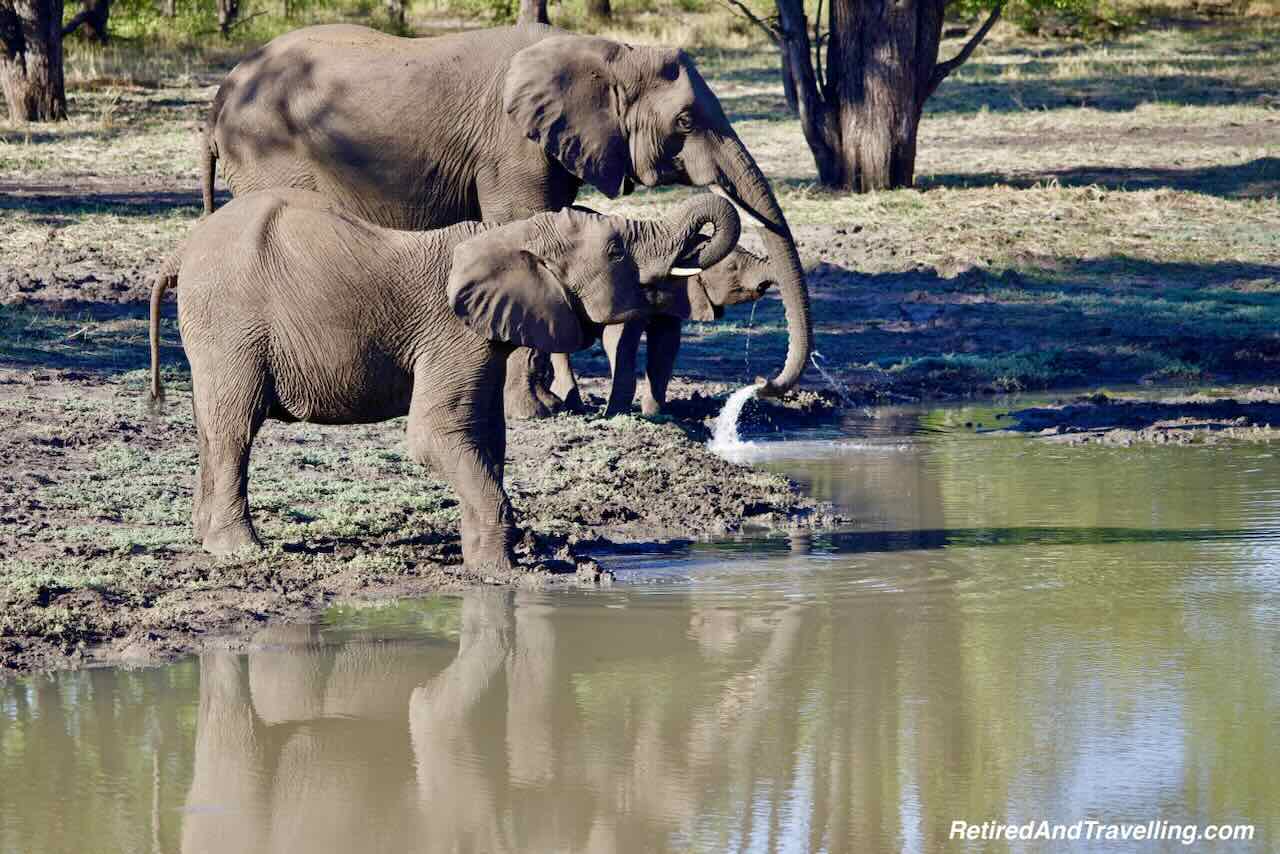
x: 396, y: 13
x: 91, y: 20
x: 861, y: 112
x: 31, y: 60
x: 534, y: 11
x: 228, y: 13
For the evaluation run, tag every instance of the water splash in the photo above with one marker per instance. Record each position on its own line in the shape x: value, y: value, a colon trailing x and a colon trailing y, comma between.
x: 751, y: 322
x: 839, y: 388
x: 725, y: 441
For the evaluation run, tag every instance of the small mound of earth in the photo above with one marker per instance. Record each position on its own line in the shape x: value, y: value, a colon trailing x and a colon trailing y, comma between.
x: 97, y: 562
x: 1191, y: 419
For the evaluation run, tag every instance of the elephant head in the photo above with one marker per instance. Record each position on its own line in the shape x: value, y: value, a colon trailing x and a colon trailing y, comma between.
x: 615, y: 115
x: 741, y: 277
x: 552, y: 281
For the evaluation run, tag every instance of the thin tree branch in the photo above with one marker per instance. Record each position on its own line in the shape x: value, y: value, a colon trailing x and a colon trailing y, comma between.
x: 738, y: 8
x: 817, y: 48
x: 942, y: 69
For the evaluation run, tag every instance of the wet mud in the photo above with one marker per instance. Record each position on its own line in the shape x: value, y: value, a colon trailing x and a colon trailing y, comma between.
x: 97, y: 562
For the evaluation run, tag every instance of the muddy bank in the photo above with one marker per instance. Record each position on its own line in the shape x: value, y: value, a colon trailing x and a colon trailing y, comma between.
x: 97, y: 562
x: 1183, y: 420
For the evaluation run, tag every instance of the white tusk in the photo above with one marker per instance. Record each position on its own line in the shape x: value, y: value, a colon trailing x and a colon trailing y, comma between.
x: 743, y: 213
x: 685, y: 271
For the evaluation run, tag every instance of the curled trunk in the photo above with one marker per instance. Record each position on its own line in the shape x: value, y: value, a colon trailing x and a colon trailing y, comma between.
x: 677, y: 242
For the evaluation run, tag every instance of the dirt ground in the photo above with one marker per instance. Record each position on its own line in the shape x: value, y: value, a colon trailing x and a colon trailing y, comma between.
x: 1084, y: 215
x: 95, y: 505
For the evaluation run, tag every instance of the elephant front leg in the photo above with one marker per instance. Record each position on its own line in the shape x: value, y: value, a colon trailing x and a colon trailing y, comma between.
x: 663, y: 335
x: 621, y: 342
x: 528, y: 393
x: 469, y: 453
x: 565, y: 384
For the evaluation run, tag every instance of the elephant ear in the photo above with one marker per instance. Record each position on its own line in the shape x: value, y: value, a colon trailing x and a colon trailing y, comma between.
x: 506, y: 293
x: 561, y: 93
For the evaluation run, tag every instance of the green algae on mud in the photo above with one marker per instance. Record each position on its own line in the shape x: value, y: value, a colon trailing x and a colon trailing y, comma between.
x: 97, y: 560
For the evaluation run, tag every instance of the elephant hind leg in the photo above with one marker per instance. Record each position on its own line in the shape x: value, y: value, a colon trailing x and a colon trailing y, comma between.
x: 228, y: 421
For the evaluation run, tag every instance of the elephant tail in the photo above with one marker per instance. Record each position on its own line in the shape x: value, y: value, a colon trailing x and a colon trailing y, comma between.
x: 208, y: 168
x: 209, y: 149
x: 164, y: 279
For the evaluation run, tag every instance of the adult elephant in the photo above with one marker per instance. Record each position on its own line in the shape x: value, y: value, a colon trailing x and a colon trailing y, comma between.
x: 493, y: 124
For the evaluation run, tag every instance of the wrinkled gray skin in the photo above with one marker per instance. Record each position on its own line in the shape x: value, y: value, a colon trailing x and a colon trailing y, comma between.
x: 741, y: 277
x: 293, y: 309
x: 493, y: 124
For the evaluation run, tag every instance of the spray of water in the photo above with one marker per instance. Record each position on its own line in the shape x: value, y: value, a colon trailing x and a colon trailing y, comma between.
x: 724, y: 435
x: 839, y: 388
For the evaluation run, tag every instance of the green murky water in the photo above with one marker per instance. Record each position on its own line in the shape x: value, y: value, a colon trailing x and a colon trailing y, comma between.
x: 1013, y: 631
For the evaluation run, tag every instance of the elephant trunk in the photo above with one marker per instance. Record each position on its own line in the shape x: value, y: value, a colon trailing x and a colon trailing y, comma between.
x: 675, y: 246
x: 742, y: 180
x: 687, y: 223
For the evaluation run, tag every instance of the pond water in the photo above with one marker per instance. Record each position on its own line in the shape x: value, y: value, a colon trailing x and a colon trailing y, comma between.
x: 1012, y: 631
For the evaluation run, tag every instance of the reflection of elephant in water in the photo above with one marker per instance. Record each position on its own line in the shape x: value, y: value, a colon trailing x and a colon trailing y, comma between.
x: 742, y: 277
x: 532, y: 737
x: 490, y: 125
x: 292, y: 310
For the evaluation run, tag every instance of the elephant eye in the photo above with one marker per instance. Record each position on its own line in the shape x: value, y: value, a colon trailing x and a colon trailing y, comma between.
x: 684, y: 122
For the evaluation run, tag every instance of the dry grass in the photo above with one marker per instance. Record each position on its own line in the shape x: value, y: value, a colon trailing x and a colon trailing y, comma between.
x: 1138, y: 167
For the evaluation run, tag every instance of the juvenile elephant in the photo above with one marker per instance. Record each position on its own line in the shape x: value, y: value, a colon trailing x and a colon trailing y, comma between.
x: 741, y: 277
x: 492, y: 125
x: 293, y: 310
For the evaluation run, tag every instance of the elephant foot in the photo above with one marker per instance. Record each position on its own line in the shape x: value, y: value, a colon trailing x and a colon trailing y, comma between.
x: 571, y: 401
x: 527, y: 393
x: 521, y: 404
x: 649, y: 406
x: 616, y: 409
x: 230, y: 539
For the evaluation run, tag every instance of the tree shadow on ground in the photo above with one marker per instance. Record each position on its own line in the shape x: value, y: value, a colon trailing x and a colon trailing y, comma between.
x: 93, y: 341
x: 1054, y: 322
x: 976, y: 91
x: 1256, y: 179
x: 73, y: 200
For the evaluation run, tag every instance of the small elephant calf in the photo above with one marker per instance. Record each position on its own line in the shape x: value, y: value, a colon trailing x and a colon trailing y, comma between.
x: 294, y: 310
x: 741, y: 277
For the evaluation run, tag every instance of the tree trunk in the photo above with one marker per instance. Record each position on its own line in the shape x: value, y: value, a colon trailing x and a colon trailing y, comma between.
x: 228, y: 12
x: 534, y: 11
x: 31, y: 60
x: 171, y: 8
x: 882, y: 58
x: 396, y: 12
x: 789, y: 83
x: 90, y: 20
x: 882, y: 65
x: 599, y: 10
